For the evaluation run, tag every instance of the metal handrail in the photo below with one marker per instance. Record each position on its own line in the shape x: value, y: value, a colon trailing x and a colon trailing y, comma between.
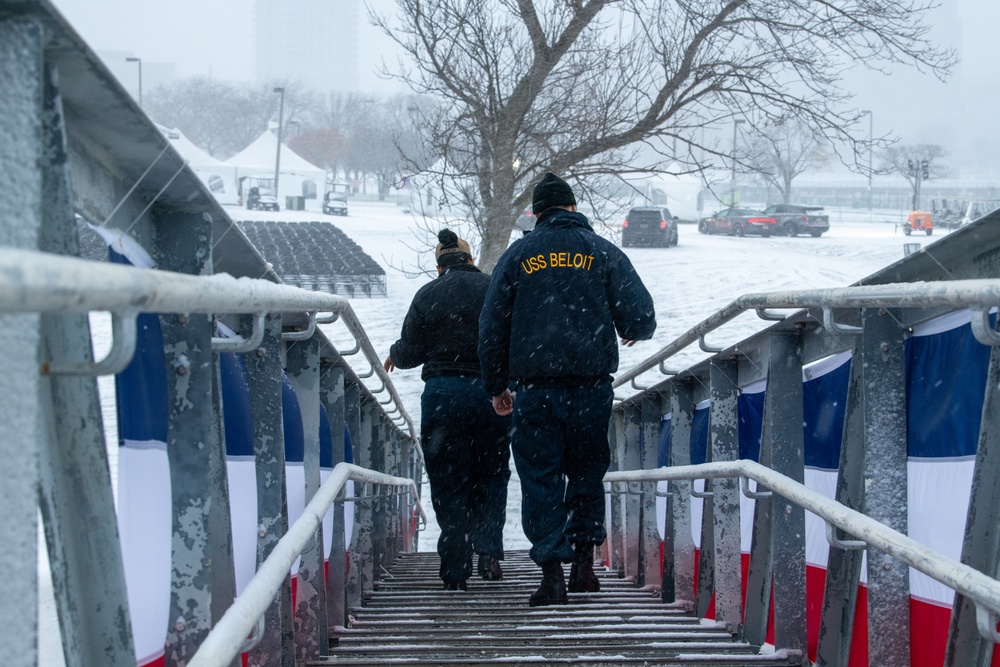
x: 979, y: 293
x: 227, y: 638
x: 39, y: 282
x: 973, y: 584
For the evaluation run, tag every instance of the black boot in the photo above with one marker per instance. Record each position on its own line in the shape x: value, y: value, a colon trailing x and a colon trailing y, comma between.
x: 581, y: 575
x: 456, y: 585
x: 489, y: 568
x: 553, y: 588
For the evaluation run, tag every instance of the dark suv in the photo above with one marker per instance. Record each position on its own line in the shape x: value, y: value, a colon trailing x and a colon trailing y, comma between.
x: 649, y: 226
x: 794, y: 219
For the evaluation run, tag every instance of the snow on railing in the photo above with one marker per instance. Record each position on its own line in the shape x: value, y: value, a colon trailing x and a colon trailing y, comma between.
x: 46, y: 283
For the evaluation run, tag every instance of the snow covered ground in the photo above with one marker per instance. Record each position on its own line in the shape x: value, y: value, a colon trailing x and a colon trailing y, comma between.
x: 688, y: 283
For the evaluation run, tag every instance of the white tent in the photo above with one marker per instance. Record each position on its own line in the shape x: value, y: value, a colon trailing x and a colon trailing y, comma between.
x: 218, y: 177
x: 297, y: 177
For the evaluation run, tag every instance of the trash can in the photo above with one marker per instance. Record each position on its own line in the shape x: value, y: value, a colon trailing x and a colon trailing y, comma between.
x: 295, y: 203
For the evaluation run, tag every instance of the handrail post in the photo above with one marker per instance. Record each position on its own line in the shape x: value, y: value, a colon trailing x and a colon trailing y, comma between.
x: 966, y: 646
x: 885, y: 484
x: 784, y: 421
x: 650, y: 570
x: 380, y: 505
x: 263, y: 367
x: 630, y: 458
x: 760, y: 572
x: 183, y: 245
x: 220, y: 519
x: 22, y: 51
x: 724, y: 443
x: 85, y: 555
x: 843, y: 569
x: 615, y: 544
x: 678, y: 582
x: 352, y: 510
x: 311, y: 626
x: 332, y: 397
x: 364, y: 551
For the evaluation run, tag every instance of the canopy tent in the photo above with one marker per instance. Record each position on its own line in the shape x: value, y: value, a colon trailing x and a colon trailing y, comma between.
x: 219, y: 177
x: 298, y: 176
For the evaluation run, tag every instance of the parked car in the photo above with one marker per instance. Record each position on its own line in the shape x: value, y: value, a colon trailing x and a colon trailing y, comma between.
x: 649, y: 226
x: 526, y: 221
x: 794, y: 219
x: 261, y: 199
x: 738, y: 221
x: 334, y: 204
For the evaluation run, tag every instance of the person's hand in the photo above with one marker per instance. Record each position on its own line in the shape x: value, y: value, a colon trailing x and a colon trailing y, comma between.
x: 503, y: 404
x: 389, y: 365
x: 627, y: 343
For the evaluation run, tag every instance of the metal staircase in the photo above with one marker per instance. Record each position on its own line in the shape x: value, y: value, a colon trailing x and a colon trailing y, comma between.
x: 409, y: 618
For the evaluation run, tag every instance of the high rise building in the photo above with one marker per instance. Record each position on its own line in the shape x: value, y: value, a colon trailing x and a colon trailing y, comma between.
x: 312, y: 41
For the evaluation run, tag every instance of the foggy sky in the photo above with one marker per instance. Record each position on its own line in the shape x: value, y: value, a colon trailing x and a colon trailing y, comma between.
x: 215, y: 38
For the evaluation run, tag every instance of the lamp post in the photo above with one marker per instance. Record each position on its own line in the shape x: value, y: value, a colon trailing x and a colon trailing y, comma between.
x: 277, y: 152
x: 871, y: 148
x: 138, y: 61
x: 732, y: 181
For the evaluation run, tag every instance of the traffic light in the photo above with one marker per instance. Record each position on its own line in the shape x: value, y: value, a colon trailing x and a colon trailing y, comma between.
x: 909, y: 167
x: 924, y: 169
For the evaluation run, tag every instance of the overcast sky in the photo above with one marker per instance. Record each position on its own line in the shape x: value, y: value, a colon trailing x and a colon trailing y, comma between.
x: 215, y: 38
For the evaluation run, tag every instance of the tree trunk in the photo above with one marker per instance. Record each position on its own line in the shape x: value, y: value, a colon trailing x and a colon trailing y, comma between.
x: 496, y: 238
x: 786, y: 191
x: 497, y: 191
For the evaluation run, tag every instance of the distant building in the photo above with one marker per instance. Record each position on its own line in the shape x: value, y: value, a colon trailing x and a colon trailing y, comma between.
x: 312, y: 41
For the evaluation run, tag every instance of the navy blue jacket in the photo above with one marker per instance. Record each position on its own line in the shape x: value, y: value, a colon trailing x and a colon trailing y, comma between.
x: 557, y: 298
x: 441, y: 329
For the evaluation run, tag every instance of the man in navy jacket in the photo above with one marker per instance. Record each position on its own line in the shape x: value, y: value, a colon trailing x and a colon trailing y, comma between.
x: 557, y: 298
x: 465, y: 442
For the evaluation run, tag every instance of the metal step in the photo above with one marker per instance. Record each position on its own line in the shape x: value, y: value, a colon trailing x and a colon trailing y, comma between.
x: 409, y: 618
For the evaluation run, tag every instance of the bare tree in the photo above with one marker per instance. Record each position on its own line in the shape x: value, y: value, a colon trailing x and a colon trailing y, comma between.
x: 779, y: 151
x: 324, y: 147
x: 916, y: 163
x: 579, y: 87
x: 198, y: 107
x: 224, y: 119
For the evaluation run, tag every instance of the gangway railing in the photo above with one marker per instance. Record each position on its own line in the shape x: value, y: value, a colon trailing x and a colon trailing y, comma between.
x: 387, y: 510
x: 980, y: 295
x: 228, y: 638
x: 983, y: 590
x: 37, y: 282
x: 45, y: 283
x: 743, y: 410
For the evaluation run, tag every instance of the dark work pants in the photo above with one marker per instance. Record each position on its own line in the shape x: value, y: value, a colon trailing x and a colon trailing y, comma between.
x: 467, y: 452
x: 560, y: 445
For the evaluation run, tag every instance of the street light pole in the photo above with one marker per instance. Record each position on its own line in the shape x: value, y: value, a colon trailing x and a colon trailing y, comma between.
x: 277, y: 152
x: 138, y: 61
x: 732, y: 181
x: 871, y: 148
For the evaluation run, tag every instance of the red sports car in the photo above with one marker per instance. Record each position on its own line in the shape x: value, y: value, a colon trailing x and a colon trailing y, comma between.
x: 738, y: 221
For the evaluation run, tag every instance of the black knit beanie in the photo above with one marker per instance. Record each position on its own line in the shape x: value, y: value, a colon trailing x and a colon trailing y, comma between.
x: 551, y: 191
